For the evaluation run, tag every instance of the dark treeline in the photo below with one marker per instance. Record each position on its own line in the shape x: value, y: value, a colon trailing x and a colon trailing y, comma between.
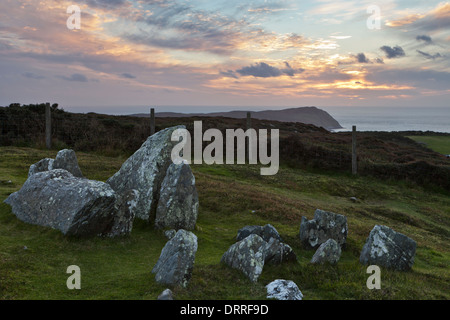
x: 386, y: 155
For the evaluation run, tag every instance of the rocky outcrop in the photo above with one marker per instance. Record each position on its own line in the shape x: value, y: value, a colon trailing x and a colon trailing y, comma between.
x: 283, y: 290
x: 145, y: 170
x: 388, y: 248
x: 178, y: 199
x: 65, y: 159
x: 328, y: 252
x: 73, y: 205
x: 325, y: 225
x: 175, y: 264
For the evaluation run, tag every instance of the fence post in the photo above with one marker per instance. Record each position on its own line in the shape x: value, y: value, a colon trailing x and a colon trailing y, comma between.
x: 152, y: 121
x: 48, y: 126
x: 354, y: 155
x: 249, y: 120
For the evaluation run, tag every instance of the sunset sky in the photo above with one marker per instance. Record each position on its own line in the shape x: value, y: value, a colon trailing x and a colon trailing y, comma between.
x: 131, y: 53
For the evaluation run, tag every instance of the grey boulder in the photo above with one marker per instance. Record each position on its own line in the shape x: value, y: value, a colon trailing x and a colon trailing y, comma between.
x: 328, y: 252
x: 266, y: 232
x: 65, y: 159
x: 247, y: 256
x: 388, y: 248
x: 325, y: 225
x: 145, y: 170
x: 283, y: 290
x: 176, y: 262
x: 73, y: 205
x: 277, y: 252
x: 178, y: 199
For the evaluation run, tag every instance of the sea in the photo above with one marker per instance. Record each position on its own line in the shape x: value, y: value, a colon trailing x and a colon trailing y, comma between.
x: 435, y: 119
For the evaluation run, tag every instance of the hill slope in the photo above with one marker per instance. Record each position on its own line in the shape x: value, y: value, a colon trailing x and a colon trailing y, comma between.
x: 307, y: 115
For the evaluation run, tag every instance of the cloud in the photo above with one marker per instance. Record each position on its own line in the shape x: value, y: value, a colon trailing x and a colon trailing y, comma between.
x: 361, y: 57
x: 430, y: 56
x: 127, y: 76
x: 263, y: 70
x: 31, y: 75
x: 76, y: 77
x: 393, y: 52
x: 229, y: 74
x: 426, y: 78
x: 425, y: 38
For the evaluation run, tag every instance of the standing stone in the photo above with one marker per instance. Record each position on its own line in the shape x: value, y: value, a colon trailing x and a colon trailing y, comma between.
x: 329, y: 251
x: 388, y: 248
x: 166, y: 295
x: 176, y: 262
x: 145, y: 170
x: 283, y: 290
x: 66, y: 159
x: 57, y: 199
x: 247, y: 256
x: 178, y: 200
x: 325, y: 225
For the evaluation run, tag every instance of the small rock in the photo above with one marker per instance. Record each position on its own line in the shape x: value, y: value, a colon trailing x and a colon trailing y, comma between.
x: 353, y: 199
x: 283, y: 290
x: 266, y: 232
x: 329, y: 251
x: 166, y: 295
x: 66, y: 159
x: 170, y: 233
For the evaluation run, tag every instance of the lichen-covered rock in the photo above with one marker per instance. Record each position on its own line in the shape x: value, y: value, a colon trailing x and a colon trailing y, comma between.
x: 166, y: 295
x: 124, y: 213
x: 277, y: 252
x: 325, y: 225
x: 41, y: 166
x: 266, y: 232
x: 176, y: 262
x: 283, y: 290
x: 329, y: 251
x: 388, y: 248
x: 178, y: 199
x: 65, y: 159
x: 247, y: 256
x: 57, y: 199
x: 145, y: 170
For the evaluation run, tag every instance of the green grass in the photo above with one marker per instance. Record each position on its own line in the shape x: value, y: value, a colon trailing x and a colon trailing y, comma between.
x: 230, y: 198
x: 439, y: 144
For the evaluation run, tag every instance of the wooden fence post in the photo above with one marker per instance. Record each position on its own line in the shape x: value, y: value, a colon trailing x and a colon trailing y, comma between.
x: 152, y: 121
x: 48, y: 126
x: 354, y: 155
x: 249, y: 120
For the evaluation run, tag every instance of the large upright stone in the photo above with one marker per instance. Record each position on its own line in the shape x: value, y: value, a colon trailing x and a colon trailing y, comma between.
x: 178, y: 199
x: 73, y: 205
x: 325, y: 225
x: 388, y: 248
x: 67, y: 159
x: 145, y: 170
x: 175, y: 264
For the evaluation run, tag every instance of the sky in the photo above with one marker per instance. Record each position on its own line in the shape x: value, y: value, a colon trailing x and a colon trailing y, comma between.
x: 129, y: 55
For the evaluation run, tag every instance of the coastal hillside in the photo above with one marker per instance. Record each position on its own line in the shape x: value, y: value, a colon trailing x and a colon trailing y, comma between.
x: 306, y: 115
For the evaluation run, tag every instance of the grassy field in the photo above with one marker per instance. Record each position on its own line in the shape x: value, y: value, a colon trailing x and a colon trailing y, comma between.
x: 439, y: 144
x: 33, y: 259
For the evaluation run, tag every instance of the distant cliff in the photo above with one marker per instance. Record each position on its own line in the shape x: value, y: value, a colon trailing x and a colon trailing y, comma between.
x: 308, y: 115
